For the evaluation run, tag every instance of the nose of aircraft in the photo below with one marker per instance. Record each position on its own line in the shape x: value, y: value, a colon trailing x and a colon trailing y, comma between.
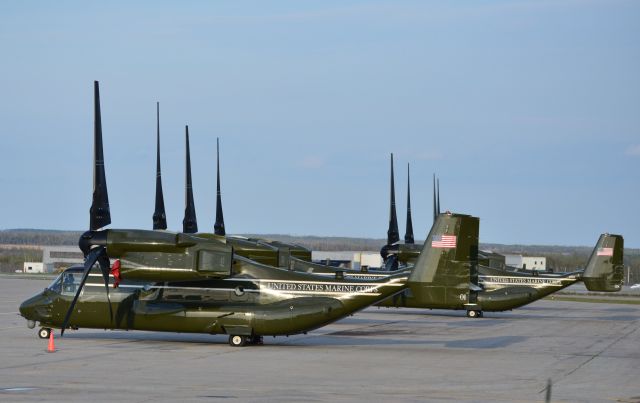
x: 35, y: 308
x: 27, y: 309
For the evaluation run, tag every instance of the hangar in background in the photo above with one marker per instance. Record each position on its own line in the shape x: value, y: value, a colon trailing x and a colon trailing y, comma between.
x: 349, y: 259
x: 526, y: 262
x: 53, y: 256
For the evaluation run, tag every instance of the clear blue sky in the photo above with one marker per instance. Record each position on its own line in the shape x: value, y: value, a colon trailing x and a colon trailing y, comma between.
x: 529, y: 111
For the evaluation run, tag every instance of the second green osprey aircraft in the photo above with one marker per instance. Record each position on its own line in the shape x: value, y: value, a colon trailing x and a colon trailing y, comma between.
x: 487, y: 288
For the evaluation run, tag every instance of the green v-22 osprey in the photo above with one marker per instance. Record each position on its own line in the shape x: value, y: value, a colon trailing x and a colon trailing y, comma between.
x: 497, y: 289
x: 269, y: 252
x: 477, y: 288
x: 178, y: 282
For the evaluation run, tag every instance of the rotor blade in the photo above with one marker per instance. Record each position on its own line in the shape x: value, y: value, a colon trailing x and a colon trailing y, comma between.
x: 438, y: 182
x: 218, y: 227
x: 159, y: 215
x: 91, y: 259
x: 435, y: 205
x: 392, y: 233
x: 408, y: 236
x: 189, y: 224
x: 105, y: 267
x: 391, y: 263
x: 99, y: 212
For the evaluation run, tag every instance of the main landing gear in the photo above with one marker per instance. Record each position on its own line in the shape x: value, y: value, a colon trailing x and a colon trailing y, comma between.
x: 241, y: 341
x: 474, y: 314
x: 44, y: 332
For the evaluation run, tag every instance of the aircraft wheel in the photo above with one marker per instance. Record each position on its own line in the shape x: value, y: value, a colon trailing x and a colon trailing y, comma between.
x: 237, y: 341
x: 44, y: 333
x: 472, y: 314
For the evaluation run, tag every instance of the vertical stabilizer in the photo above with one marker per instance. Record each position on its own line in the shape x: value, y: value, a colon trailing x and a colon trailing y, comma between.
x: 605, y: 270
x: 443, y: 271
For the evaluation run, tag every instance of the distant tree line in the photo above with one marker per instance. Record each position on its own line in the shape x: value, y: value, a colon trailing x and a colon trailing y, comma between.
x: 12, y: 259
x: 38, y: 237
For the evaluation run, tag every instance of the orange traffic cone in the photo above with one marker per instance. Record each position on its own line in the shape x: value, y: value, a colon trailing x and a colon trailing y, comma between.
x: 51, y: 348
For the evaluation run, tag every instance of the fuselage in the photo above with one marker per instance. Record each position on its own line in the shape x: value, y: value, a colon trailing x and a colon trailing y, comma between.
x: 497, y: 290
x: 255, y: 300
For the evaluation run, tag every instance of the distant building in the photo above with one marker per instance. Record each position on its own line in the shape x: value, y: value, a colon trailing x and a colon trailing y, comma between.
x: 349, y: 259
x: 491, y: 259
x: 537, y: 263
x: 33, y: 267
x: 67, y: 255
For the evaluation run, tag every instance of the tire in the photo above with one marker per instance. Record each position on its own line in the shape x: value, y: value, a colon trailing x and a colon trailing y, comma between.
x: 472, y: 314
x: 480, y: 314
x: 44, y: 333
x: 237, y: 341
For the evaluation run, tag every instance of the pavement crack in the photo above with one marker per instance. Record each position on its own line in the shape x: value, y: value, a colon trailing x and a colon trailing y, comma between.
x: 596, y: 355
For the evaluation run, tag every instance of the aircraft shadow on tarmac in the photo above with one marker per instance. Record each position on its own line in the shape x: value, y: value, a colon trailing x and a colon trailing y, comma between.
x: 341, y: 338
x: 151, y: 337
x: 528, y: 313
x: 366, y: 339
x: 176, y: 341
x: 494, y: 317
x: 364, y: 336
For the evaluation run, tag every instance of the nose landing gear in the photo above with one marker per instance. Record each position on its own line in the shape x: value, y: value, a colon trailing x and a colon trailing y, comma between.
x: 44, y: 332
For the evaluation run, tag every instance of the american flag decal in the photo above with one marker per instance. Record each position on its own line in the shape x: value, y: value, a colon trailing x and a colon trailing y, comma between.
x: 443, y: 241
x: 605, y: 252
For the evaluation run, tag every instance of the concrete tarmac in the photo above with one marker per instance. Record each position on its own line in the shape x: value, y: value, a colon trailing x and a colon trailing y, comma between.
x: 590, y: 351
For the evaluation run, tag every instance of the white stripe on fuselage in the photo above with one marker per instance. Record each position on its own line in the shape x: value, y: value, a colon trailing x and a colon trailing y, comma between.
x: 284, y: 287
x: 536, y: 282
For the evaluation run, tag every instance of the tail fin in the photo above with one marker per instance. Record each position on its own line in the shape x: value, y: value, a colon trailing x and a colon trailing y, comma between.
x: 449, y: 259
x: 605, y: 271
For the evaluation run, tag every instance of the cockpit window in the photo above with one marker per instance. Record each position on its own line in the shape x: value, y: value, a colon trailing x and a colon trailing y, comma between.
x: 56, y: 285
x: 70, y: 282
